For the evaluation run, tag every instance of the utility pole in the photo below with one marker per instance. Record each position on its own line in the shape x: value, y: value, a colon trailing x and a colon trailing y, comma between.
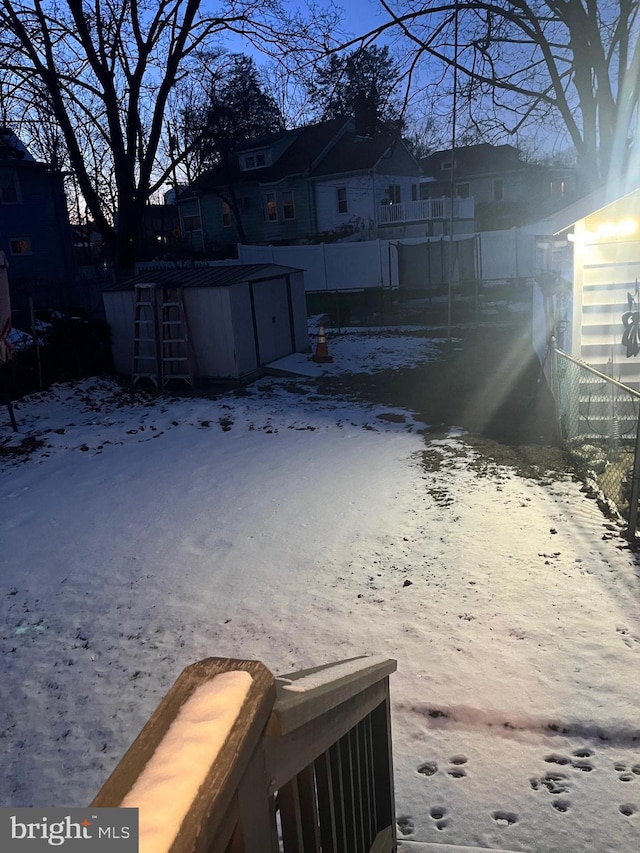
x: 453, y: 163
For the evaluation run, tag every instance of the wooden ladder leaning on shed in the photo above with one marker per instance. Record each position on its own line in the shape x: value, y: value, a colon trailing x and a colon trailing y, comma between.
x: 309, y: 753
x: 162, y: 350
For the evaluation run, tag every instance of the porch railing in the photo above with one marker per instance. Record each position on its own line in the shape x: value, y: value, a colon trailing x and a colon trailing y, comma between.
x: 299, y: 763
x: 425, y: 209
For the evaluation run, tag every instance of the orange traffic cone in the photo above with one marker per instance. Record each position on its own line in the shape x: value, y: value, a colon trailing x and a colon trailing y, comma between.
x: 322, y: 351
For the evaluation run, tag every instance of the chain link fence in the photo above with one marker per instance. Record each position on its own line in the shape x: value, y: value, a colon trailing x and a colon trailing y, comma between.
x: 598, y: 424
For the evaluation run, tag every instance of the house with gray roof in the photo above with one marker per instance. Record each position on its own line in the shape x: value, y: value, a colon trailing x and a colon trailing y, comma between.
x: 321, y: 182
x: 507, y: 191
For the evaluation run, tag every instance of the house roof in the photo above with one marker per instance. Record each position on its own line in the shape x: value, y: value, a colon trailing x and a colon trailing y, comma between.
x: 222, y: 275
x: 469, y: 159
x: 305, y: 146
x: 596, y: 202
x: 327, y: 148
x: 11, y: 148
x: 353, y: 153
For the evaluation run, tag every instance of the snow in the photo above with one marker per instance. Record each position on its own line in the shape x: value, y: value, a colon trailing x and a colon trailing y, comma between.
x: 171, y: 779
x: 280, y: 524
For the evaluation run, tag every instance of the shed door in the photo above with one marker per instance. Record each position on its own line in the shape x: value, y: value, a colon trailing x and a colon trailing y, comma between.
x: 272, y: 319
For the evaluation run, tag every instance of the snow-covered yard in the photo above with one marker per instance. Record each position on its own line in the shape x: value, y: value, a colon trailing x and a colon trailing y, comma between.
x: 280, y: 524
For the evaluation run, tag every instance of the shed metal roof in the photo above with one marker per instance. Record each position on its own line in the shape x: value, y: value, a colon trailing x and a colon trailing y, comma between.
x: 205, y: 276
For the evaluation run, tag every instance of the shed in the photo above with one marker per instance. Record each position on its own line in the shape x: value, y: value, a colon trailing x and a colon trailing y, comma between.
x: 605, y: 235
x: 240, y: 317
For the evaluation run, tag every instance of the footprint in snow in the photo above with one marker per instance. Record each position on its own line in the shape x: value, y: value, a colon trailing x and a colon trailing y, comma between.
x: 438, y: 813
x: 554, y: 783
x: 457, y: 771
x: 505, y: 818
x: 585, y: 766
x: 428, y: 768
x: 405, y: 825
x: 628, y: 809
x: 627, y: 777
x: 555, y: 758
x: 584, y: 753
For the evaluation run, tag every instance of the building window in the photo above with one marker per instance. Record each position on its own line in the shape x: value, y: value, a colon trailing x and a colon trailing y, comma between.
x: 20, y: 246
x: 414, y: 192
x: 341, y: 198
x: 462, y: 190
x: 288, y: 208
x: 270, y: 209
x: 394, y: 194
x: 226, y: 215
x: 254, y: 161
x: 9, y: 193
x: 498, y: 189
x: 557, y: 189
x: 191, y: 223
x: 447, y: 165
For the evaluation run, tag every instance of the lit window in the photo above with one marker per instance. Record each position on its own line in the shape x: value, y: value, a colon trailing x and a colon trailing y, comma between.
x: 226, y: 215
x: 20, y: 247
x: 270, y: 209
x: 341, y: 196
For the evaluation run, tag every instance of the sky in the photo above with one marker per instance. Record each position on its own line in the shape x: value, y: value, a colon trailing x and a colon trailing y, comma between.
x: 299, y: 528
x: 362, y: 16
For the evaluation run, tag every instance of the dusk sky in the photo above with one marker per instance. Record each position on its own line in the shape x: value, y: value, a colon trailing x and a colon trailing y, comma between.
x: 363, y: 15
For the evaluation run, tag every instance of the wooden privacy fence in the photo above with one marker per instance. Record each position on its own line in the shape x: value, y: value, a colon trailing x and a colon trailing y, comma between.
x: 235, y: 760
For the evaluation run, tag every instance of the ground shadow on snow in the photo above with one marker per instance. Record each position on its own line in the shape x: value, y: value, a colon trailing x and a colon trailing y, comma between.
x: 488, y: 381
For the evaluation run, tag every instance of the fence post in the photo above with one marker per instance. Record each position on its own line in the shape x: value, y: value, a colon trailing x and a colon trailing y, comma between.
x: 635, y: 487
x: 553, y: 377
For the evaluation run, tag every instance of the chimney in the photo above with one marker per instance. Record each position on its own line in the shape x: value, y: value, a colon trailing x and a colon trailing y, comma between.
x: 362, y: 110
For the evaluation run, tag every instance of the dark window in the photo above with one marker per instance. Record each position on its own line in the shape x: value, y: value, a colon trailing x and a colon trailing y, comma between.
x: 394, y: 193
x: 498, y: 189
x: 462, y: 190
x: 341, y: 197
x: 191, y: 223
x: 226, y: 215
x: 288, y: 208
x: 9, y: 187
x: 260, y: 160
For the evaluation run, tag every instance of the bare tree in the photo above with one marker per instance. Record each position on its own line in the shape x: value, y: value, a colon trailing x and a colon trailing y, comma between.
x: 106, y: 70
x: 570, y: 65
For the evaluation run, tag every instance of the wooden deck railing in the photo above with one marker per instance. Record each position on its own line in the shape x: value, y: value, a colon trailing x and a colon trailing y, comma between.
x: 301, y: 763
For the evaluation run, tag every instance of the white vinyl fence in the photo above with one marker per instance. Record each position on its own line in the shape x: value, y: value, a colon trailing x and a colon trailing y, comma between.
x: 333, y: 266
x: 345, y: 266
